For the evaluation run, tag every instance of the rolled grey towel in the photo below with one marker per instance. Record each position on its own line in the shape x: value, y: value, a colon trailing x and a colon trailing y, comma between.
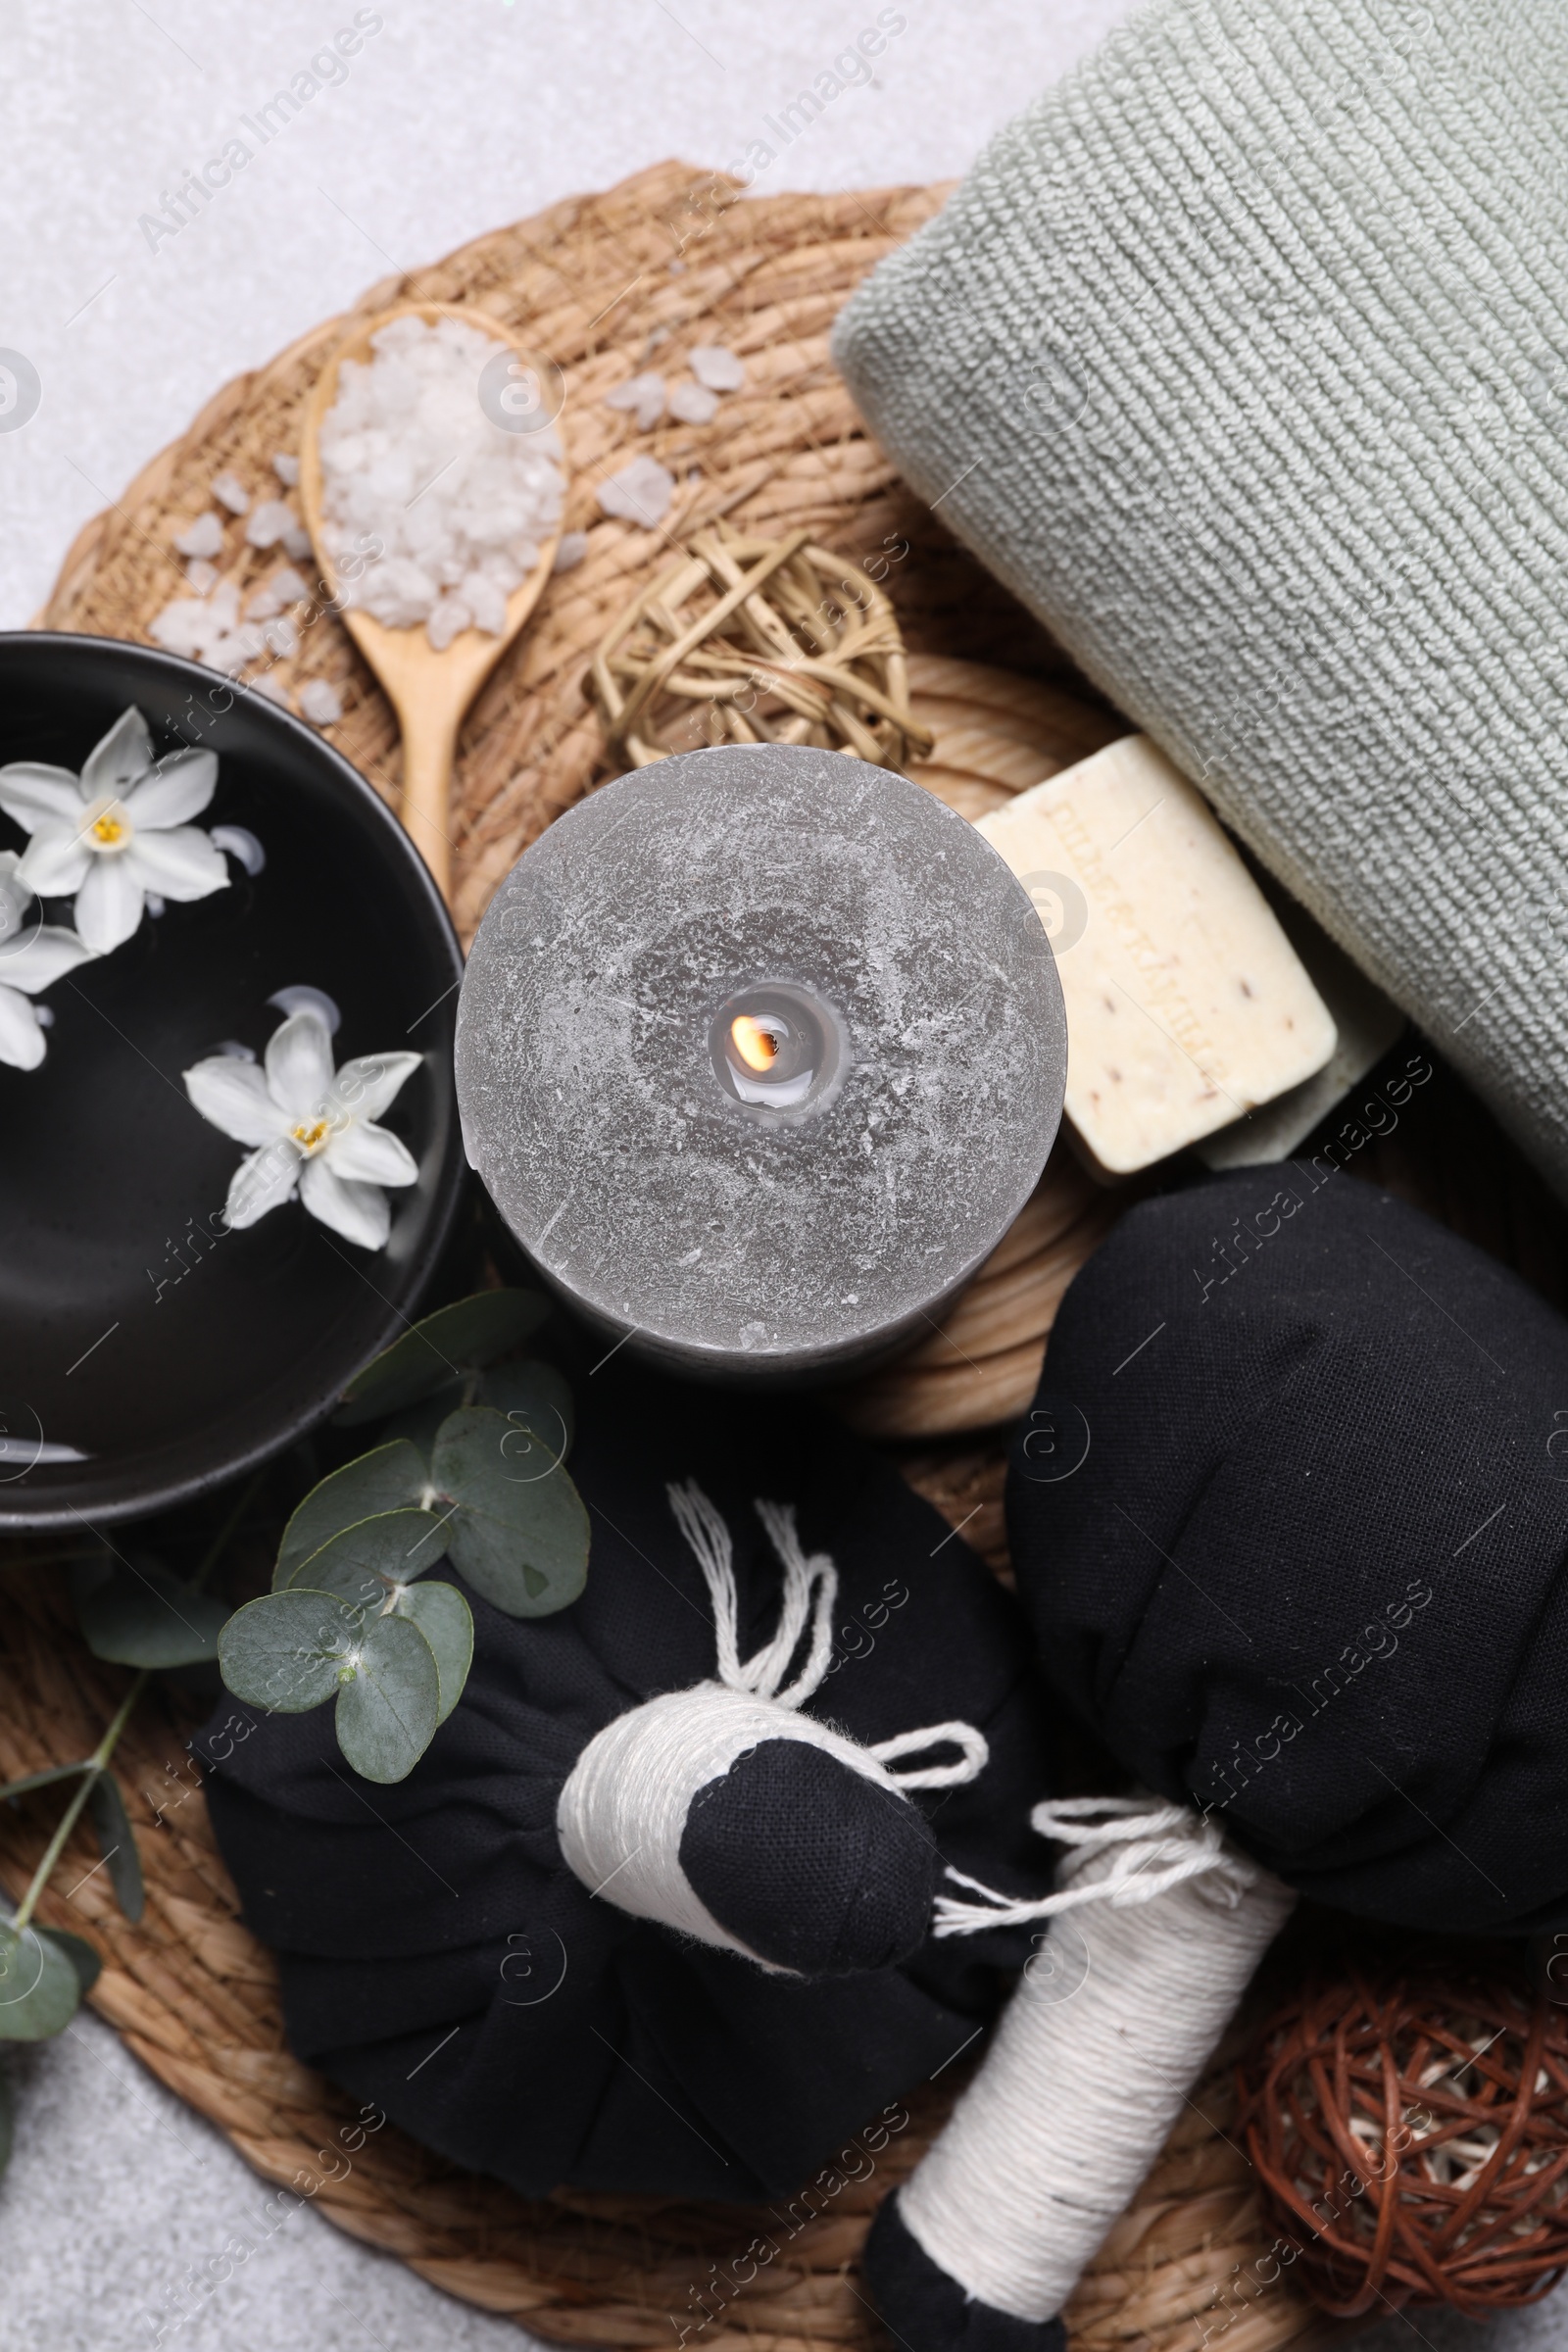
x: 1242, y: 357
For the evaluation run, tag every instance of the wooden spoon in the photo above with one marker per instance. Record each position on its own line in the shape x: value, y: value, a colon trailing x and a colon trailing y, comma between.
x: 429, y: 691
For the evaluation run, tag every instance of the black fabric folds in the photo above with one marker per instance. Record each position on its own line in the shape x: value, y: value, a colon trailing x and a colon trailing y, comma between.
x: 437, y: 1955
x: 1309, y: 1570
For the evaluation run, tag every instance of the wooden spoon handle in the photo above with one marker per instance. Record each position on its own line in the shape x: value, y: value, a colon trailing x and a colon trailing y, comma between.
x: 429, y: 747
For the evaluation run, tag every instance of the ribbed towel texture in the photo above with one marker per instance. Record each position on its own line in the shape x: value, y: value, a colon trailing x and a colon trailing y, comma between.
x: 1242, y: 357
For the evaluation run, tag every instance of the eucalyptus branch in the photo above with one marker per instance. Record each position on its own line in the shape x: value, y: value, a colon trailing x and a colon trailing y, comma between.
x: 93, y: 1767
x: 97, y: 1763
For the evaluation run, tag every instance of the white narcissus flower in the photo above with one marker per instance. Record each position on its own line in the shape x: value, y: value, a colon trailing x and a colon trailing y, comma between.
x: 115, y: 832
x: 314, y: 1129
x: 30, y: 958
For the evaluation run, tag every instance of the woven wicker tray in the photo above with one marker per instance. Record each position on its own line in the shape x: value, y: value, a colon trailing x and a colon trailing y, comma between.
x: 608, y: 283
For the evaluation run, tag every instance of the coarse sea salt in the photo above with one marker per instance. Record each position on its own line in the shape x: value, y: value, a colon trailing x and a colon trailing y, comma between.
x: 640, y: 491
x: 692, y: 402
x: 230, y: 492
x: 716, y: 367
x: 275, y: 593
x: 320, y: 702
x: 412, y: 463
x: 643, y: 395
x: 203, y: 537
x: 192, y: 628
x: 286, y: 466
x: 270, y: 524
x: 210, y: 630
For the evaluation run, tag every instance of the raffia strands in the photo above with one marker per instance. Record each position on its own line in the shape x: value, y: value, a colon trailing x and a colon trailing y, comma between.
x: 758, y: 641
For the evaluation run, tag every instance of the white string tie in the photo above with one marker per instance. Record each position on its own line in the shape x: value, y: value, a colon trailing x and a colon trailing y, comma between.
x: 811, y: 1594
x: 1160, y: 1846
x: 623, y: 1812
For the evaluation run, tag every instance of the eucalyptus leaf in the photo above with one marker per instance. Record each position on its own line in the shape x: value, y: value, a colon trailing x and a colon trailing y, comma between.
x: 532, y: 1394
x: 389, y: 1479
x: 455, y: 1339
x: 395, y: 1546
x: 40, y: 1986
x: 289, y: 1652
x: 80, y: 1953
x: 139, y: 1615
x: 520, y: 1540
x: 446, y: 1621
x: 388, y: 1711
x: 117, y: 1842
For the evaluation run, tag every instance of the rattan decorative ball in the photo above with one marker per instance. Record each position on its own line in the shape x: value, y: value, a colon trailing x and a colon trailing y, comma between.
x: 749, y: 640
x: 1409, y: 2130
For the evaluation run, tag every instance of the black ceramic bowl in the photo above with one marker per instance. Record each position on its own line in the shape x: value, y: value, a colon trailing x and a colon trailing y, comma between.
x: 135, y: 1331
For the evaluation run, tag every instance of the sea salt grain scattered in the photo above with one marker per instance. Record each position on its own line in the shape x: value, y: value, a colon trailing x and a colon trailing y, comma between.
x: 222, y: 611
x: 230, y: 492
x: 233, y: 653
x: 282, y: 637
x: 643, y: 395
x: 693, y: 403
x: 268, y: 525
x: 411, y: 458
x: 272, y: 688
x: 716, y: 367
x: 191, y: 628
x: 203, y: 537
x: 321, y: 702
x: 210, y: 631
x: 570, y: 552
x: 640, y: 491
x: 202, y: 575
x: 275, y: 594
x: 286, y: 466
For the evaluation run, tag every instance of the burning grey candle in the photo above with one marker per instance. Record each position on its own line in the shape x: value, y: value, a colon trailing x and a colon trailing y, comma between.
x: 759, y: 1052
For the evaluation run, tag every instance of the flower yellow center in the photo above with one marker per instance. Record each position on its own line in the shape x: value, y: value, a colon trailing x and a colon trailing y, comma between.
x: 106, y: 827
x: 310, y: 1134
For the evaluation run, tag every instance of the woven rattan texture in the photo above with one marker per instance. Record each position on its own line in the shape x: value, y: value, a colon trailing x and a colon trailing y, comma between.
x: 1411, y: 2130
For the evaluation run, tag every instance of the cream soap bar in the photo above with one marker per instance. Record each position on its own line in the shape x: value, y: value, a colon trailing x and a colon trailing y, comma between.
x: 1187, y: 1005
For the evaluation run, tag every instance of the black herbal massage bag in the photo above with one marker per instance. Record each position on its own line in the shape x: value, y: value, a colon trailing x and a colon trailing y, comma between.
x: 438, y: 1957
x: 1290, y: 1519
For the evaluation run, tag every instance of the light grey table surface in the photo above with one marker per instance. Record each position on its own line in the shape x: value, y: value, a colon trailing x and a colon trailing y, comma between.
x: 457, y: 116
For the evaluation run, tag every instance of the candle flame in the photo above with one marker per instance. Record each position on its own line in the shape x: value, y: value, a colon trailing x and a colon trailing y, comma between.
x: 757, y: 1046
